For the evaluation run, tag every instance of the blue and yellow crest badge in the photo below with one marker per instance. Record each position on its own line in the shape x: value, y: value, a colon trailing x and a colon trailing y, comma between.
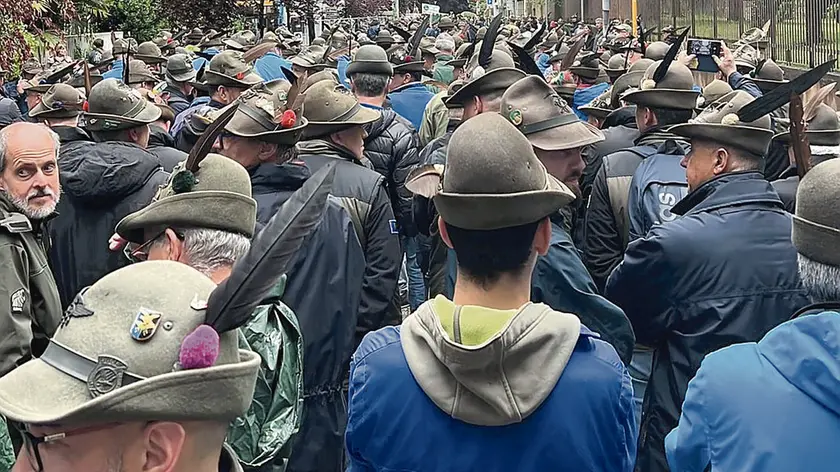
x: 145, y: 324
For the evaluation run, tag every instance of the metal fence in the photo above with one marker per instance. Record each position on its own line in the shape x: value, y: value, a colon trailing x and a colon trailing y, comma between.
x: 803, y: 33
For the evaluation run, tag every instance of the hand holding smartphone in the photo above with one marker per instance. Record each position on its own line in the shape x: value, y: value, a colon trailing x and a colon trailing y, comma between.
x: 704, y: 51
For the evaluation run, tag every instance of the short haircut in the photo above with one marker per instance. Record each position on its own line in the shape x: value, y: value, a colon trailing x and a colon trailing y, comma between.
x: 209, y: 250
x: 484, y: 256
x: 369, y: 85
x: 821, y: 281
x: 493, y: 100
x: 671, y: 116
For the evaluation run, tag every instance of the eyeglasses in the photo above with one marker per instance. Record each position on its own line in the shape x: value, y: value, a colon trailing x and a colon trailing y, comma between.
x: 32, y: 443
x: 140, y: 253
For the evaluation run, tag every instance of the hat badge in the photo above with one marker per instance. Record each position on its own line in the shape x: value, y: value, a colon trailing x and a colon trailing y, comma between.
x: 145, y: 324
x: 515, y: 117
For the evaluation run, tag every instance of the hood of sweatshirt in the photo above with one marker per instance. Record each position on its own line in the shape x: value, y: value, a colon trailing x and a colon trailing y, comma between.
x: 488, y: 367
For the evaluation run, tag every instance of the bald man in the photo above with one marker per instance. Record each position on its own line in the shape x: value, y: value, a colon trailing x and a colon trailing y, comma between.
x: 29, y: 191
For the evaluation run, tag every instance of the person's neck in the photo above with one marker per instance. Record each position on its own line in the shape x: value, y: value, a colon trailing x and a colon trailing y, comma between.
x: 508, y: 293
x: 220, y: 275
x: 372, y: 101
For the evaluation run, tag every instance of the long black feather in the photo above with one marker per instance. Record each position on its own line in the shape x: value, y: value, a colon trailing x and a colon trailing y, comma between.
x: 254, y: 275
x: 204, y: 145
x: 526, y: 61
x: 403, y: 33
x: 126, y: 68
x: 781, y: 94
x: 179, y: 35
x: 199, y: 76
x: 489, y: 42
x: 414, y: 42
x: 660, y: 72
x: 570, y: 56
x: 536, y: 38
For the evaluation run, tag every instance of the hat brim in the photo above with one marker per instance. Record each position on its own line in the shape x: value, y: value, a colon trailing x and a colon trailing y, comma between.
x: 41, y: 111
x: 416, y: 66
x: 494, y: 80
x: 817, y: 138
x: 362, y: 117
x: 80, y: 81
x: 486, y: 212
x: 748, y: 138
x: 107, y: 122
x: 664, y: 98
x: 769, y: 85
x: 597, y: 112
x: 458, y: 63
x: 287, y: 136
x: 614, y: 74
x: 247, y: 81
x: 150, y: 59
x: 38, y: 88
x: 587, y: 72
x: 570, y: 136
x: 182, y: 77
x: 37, y: 393
x: 221, y: 210
x: 370, y: 67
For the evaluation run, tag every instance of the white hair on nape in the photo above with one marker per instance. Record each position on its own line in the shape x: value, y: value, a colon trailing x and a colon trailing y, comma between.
x: 833, y: 151
x: 208, y: 250
x: 821, y: 281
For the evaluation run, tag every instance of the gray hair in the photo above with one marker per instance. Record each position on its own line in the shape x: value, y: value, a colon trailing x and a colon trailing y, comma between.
x: 369, y: 85
x: 821, y: 281
x: 208, y: 250
x: 4, y: 141
x: 445, y: 42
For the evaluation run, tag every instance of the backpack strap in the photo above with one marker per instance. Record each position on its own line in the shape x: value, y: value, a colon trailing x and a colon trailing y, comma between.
x: 619, y: 190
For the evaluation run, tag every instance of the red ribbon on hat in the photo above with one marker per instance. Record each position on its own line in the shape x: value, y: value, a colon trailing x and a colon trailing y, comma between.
x: 240, y: 76
x: 287, y: 120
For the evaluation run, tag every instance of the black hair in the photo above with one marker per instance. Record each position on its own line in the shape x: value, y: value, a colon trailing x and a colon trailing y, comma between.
x: 366, y: 84
x: 416, y: 76
x: 484, y: 256
x: 671, y: 116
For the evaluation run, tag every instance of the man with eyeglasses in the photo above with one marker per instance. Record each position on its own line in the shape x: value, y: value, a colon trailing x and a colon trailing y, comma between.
x: 126, y: 383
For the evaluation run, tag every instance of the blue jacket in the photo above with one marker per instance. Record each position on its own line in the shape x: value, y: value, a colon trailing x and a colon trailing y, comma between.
x: 725, y: 272
x: 585, y: 424
x: 657, y: 185
x: 543, y: 64
x: 268, y: 67
x: 561, y: 281
x: 409, y: 101
x: 343, y: 62
x: 585, y: 95
x: 116, y: 71
x: 771, y: 406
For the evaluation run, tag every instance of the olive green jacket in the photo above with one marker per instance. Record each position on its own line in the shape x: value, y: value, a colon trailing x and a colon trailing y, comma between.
x: 435, y: 120
x: 262, y: 439
x: 30, y: 309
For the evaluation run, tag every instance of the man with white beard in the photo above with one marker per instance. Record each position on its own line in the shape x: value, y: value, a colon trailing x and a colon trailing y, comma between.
x: 29, y: 191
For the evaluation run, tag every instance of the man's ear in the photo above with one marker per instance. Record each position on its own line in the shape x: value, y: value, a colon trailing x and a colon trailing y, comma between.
x: 542, y: 238
x: 163, y: 443
x: 133, y: 134
x: 444, y: 234
x: 722, y: 161
x: 267, y: 152
x: 176, y: 246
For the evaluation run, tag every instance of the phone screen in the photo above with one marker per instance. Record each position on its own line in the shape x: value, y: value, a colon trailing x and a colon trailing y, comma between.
x: 703, y: 50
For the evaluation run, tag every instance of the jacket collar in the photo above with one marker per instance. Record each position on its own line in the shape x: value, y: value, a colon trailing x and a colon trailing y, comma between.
x: 68, y: 134
x: 324, y: 147
x: 228, y: 462
x: 271, y: 178
x: 656, y: 136
x: 411, y: 85
x: 817, y: 308
x: 175, y: 92
x: 737, y: 188
x: 159, y: 137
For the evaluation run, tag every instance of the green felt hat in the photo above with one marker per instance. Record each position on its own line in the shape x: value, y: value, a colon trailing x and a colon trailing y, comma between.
x: 501, y: 73
x: 258, y: 113
x: 179, y: 68
x: 493, y: 179
x: 548, y: 122
x: 229, y: 69
x: 822, y: 126
x: 816, y: 224
x: 714, y: 91
x: 139, y: 73
x: 116, y: 356
x: 220, y: 199
x: 149, y: 53
x: 674, y: 91
x: 113, y: 105
x: 60, y: 101
x: 330, y: 107
x: 719, y: 123
x: 370, y: 59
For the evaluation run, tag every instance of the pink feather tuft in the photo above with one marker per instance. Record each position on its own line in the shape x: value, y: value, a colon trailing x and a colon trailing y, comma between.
x: 200, y: 348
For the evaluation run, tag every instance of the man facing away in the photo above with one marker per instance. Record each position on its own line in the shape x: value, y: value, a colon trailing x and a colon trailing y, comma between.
x: 488, y: 380
x: 772, y: 406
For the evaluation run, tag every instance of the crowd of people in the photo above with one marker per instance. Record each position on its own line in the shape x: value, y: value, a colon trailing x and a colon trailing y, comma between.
x: 452, y: 245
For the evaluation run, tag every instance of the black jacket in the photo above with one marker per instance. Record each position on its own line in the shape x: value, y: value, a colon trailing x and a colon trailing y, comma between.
x: 177, y: 101
x: 605, y: 233
x: 723, y: 273
x: 324, y: 289
x: 362, y: 192
x: 101, y: 183
x: 162, y: 145
x: 392, y: 147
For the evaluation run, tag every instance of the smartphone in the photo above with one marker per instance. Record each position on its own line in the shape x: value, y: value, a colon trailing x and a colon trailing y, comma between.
x: 704, y: 49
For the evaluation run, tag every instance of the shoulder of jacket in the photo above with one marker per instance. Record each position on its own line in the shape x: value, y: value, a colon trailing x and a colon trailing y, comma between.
x: 376, y: 341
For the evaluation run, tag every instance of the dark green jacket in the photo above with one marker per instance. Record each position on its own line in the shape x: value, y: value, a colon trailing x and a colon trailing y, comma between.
x: 30, y: 309
x: 262, y: 439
